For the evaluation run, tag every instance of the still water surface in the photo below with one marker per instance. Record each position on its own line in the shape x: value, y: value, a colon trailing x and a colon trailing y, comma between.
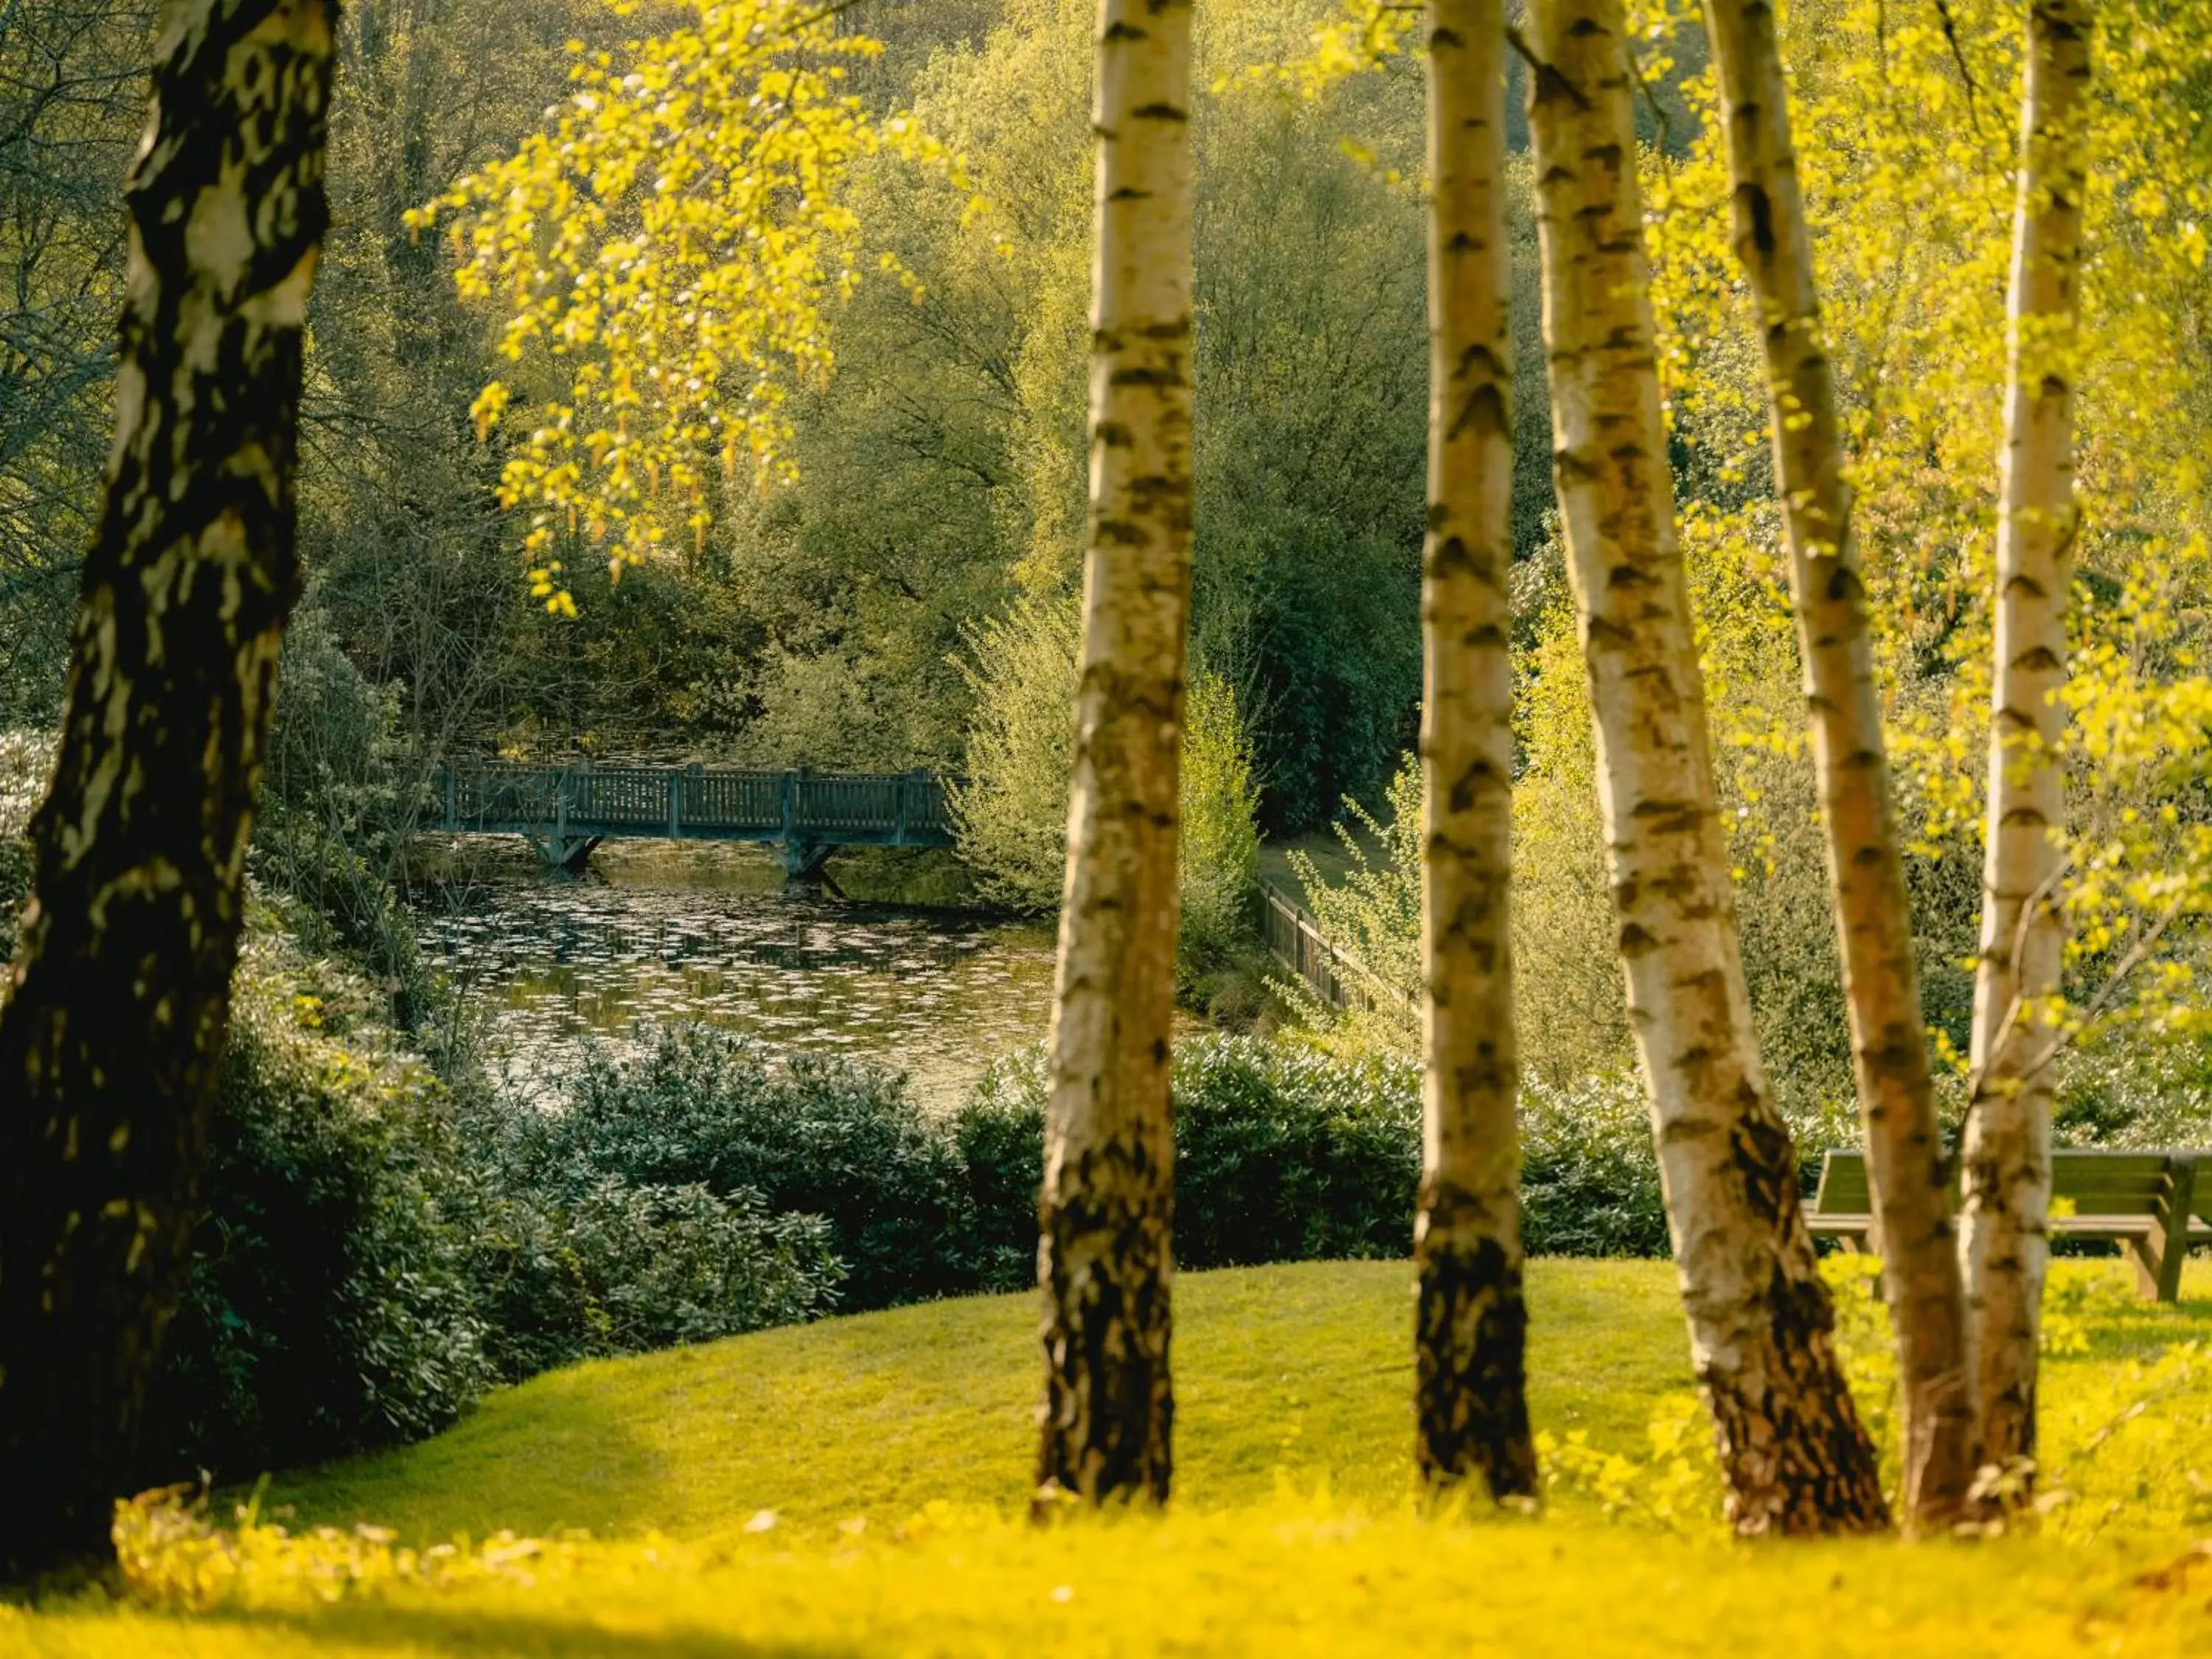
x: 552, y: 964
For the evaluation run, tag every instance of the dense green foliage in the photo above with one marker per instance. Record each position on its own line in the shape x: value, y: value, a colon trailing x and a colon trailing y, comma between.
x: 370, y: 1260
x: 328, y: 1303
x: 1285, y: 1152
x: 614, y: 1266
x: 937, y: 473
x: 797, y: 1133
x: 387, y: 1235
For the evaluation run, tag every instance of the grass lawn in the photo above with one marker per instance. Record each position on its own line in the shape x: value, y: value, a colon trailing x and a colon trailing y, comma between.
x: 1325, y: 847
x: 852, y: 1487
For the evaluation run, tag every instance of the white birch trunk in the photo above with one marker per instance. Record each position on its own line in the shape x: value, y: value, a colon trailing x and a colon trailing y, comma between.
x: 1472, y: 1406
x: 1792, y: 1448
x: 2008, y: 1146
x: 1874, y: 924
x: 1107, y: 1209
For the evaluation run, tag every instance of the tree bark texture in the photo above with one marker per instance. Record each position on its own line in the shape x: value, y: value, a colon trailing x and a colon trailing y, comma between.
x: 1107, y: 1211
x: 1472, y: 1409
x: 1905, y: 1162
x: 2007, y: 1157
x: 1792, y: 1451
x: 120, y: 990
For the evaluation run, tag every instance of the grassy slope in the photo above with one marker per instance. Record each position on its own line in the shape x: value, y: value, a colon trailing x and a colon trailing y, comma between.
x: 1300, y: 1370
x: 1305, y: 1366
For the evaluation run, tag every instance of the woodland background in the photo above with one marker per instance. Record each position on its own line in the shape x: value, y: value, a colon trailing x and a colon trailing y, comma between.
x: 908, y: 601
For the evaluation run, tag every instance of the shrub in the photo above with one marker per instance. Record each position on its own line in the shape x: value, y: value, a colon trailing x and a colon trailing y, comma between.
x: 626, y: 1269
x: 1589, y: 1179
x: 327, y: 1305
x: 26, y: 761
x: 1286, y: 1153
x: 333, y: 807
x: 1373, y: 916
x: 824, y: 1137
x: 1218, y: 874
x: 997, y: 1136
x: 1011, y: 810
x: 371, y: 1257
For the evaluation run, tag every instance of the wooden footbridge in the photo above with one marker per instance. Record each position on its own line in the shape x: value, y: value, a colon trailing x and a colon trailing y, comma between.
x: 565, y: 811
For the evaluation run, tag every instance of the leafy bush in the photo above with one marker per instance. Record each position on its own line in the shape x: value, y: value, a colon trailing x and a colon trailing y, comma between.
x: 626, y: 1269
x: 1218, y: 874
x: 372, y: 1257
x: 26, y: 761
x: 998, y: 1135
x: 1373, y: 916
x: 333, y: 809
x: 1286, y: 1153
x: 1011, y: 810
x: 1589, y: 1179
x: 824, y: 1136
x: 327, y: 1305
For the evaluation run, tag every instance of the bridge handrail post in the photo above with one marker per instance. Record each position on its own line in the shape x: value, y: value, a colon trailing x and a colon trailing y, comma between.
x: 561, y: 806
x: 675, y: 804
x: 790, y: 789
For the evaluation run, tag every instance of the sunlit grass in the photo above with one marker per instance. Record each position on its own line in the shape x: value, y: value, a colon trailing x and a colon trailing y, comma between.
x: 855, y: 1488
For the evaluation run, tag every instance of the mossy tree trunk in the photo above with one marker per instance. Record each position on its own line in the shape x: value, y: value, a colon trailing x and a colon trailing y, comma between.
x: 119, y: 997
x: 1472, y: 1409
x: 1792, y: 1451
x: 1107, y: 1209
x: 2008, y: 1143
x: 1905, y: 1162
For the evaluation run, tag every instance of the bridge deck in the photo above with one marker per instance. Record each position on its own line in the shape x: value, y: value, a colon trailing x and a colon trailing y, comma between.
x: 567, y: 810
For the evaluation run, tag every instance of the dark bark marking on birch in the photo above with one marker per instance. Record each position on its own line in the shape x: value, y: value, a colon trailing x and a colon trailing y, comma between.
x: 139, y: 847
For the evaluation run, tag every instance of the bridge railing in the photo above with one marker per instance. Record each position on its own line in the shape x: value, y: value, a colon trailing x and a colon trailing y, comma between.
x: 790, y: 806
x: 630, y: 799
x: 745, y: 800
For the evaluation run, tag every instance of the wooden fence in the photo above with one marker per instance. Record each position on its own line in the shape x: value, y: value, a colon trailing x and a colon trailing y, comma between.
x: 1294, y: 939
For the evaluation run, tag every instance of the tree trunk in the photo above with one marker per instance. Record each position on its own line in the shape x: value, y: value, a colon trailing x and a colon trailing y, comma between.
x: 1108, y: 1205
x: 120, y: 1004
x: 1874, y: 924
x: 2008, y: 1146
x: 1792, y: 1448
x: 1472, y: 1408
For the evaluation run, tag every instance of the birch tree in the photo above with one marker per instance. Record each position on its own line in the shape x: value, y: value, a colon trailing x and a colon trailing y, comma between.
x: 1471, y: 1326
x: 1874, y: 924
x: 1792, y: 1451
x: 120, y: 990
x: 2006, y: 1155
x: 1103, y: 1260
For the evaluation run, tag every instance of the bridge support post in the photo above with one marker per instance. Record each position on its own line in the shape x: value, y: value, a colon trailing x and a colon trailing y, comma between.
x: 803, y: 862
x: 568, y: 853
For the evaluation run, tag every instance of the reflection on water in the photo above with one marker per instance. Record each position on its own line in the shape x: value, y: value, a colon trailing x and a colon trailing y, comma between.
x: 936, y: 995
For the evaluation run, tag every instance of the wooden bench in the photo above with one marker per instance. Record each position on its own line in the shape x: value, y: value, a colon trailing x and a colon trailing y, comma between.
x: 2152, y: 1203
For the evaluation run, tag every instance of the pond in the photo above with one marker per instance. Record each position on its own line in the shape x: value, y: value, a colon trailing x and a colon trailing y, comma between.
x: 679, y: 934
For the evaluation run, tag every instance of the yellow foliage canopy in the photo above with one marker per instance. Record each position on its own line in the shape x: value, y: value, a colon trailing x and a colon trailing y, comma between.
x: 664, y: 254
